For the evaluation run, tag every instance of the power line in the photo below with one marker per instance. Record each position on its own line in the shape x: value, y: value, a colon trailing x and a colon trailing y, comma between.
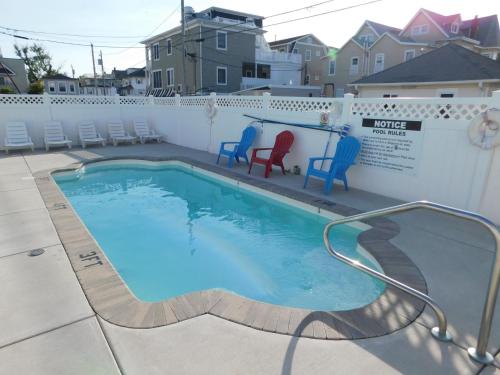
x: 73, y: 35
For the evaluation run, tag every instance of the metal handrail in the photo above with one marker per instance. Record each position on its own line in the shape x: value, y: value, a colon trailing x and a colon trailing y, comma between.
x: 440, y: 332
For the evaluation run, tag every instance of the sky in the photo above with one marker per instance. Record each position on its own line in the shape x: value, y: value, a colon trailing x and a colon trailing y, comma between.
x: 124, y: 23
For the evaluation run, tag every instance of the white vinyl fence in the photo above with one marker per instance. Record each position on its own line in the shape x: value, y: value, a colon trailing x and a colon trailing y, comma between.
x: 437, y: 162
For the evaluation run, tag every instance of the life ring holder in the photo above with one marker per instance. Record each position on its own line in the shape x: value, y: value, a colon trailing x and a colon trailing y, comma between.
x: 211, y: 108
x: 484, y: 129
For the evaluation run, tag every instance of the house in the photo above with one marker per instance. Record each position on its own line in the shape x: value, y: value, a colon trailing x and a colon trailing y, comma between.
x: 328, y: 67
x: 13, y: 76
x: 220, y: 50
x: 376, y: 47
x: 104, y: 86
x: 311, y: 49
x: 449, y: 71
x: 282, y: 90
x: 60, y: 84
x: 271, y: 67
x: 133, y: 81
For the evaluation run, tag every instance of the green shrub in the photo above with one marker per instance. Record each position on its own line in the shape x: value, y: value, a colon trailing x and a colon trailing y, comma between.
x: 36, y: 88
x: 6, y: 90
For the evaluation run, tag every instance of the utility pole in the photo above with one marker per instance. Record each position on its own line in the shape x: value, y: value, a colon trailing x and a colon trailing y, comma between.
x: 183, y: 22
x: 101, y: 63
x: 93, y: 65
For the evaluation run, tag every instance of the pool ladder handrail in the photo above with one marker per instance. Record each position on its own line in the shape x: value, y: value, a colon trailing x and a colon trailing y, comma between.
x: 478, y: 353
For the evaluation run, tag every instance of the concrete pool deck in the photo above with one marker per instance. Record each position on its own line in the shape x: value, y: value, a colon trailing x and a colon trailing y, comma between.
x: 48, y: 326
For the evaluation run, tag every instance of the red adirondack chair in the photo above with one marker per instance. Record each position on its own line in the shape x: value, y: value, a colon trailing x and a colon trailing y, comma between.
x: 281, y: 147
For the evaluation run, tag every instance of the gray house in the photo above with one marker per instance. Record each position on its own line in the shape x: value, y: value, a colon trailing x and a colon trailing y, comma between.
x: 12, y: 74
x: 220, y: 50
x: 60, y: 84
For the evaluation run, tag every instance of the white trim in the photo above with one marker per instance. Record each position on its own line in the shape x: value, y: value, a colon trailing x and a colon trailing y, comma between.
x: 442, y: 91
x: 397, y: 41
x: 334, y: 69
x: 217, y: 75
x: 217, y: 40
x: 171, y: 84
x: 201, y: 64
x: 409, y: 50
x: 153, y: 79
x: 429, y: 18
x: 305, y: 55
x: 171, y: 47
x: 457, y: 28
x: 154, y: 53
x: 355, y: 42
x: 351, y: 71
x: 378, y: 67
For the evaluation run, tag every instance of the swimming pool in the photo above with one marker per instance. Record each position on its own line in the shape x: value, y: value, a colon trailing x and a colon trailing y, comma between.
x: 169, y: 230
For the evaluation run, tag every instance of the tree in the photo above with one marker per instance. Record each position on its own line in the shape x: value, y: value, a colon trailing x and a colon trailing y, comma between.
x: 37, y: 61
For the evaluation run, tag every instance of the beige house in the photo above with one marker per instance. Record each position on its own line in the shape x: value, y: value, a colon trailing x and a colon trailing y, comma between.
x: 448, y: 71
x: 376, y: 47
x: 312, y: 50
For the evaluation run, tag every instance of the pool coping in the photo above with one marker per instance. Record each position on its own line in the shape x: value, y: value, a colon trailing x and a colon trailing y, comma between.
x: 112, y: 300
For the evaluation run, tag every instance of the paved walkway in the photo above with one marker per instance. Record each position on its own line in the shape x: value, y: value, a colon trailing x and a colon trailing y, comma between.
x: 48, y: 327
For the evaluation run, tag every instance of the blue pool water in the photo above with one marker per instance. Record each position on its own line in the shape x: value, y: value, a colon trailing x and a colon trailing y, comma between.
x: 169, y: 230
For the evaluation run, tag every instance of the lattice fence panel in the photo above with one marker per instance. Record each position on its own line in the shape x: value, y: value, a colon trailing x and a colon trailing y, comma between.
x: 301, y: 104
x: 79, y: 99
x: 195, y: 101
x: 21, y: 99
x: 419, y: 111
x: 164, y: 101
x: 133, y: 100
x: 239, y: 102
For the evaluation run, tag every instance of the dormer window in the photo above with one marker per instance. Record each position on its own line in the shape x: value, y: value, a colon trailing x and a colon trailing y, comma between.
x: 454, y: 28
x: 420, y: 30
x: 366, y: 39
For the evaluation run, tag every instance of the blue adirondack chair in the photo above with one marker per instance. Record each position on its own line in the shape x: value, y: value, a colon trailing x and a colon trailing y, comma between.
x: 239, y: 149
x: 346, y: 152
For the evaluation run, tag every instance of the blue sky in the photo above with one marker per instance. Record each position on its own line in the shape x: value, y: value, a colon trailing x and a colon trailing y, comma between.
x: 130, y: 20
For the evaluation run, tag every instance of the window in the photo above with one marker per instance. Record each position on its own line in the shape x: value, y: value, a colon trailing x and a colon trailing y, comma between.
x: 52, y: 87
x: 72, y: 87
x: 221, y: 75
x: 331, y: 68
x: 169, y: 47
x: 2, y: 81
x: 157, y: 79
x: 62, y: 87
x: 390, y: 96
x: 221, y: 40
x: 170, y: 76
x: 379, y: 62
x: 156, y: 51
x: 420, y: 30
x: 354, y: 66
x: 366, y: 39
x: 409, y: 54
x: 316, y: 77
x: 307, y: 79
x: 139, y: 81
x: 454, y: 28
x: 308, y: 55
x: 318, y: 53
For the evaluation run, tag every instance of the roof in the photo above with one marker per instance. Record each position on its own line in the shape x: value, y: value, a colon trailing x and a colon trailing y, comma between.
x: 287, y: 40
x: 59, y: 76
x: 381, y: 28
x: 138, y: 73
x: 446, y: 64
x: 487, y: 33
x: 443, y: 21
x: 235, y: 12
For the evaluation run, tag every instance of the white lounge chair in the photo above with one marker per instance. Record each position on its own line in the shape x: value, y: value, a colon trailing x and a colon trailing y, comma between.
x: 16, y: 137
x: 117, y: 133
x: 144, y: 132
x: 54, y: 135
x: 88, y: 134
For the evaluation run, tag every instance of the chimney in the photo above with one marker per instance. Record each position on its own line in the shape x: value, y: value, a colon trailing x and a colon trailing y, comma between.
x: 473, y: 28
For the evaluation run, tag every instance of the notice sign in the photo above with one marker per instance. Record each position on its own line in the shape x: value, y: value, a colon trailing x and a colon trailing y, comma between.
x: 394, y: 145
